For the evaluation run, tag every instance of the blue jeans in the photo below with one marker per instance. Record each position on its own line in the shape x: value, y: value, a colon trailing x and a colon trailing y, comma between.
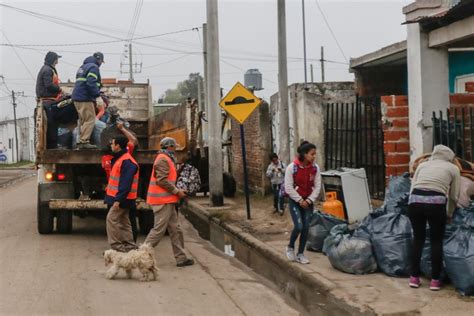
x: 278, y: 202
x: 301, y: 218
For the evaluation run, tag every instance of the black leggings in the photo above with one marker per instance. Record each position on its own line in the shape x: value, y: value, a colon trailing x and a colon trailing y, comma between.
x: 435, y: 214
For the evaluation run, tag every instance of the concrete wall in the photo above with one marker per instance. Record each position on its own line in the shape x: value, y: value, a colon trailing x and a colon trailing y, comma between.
x: 308, y: 113
x: 25, y: 140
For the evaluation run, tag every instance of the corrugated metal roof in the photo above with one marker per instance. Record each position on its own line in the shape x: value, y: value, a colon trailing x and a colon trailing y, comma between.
x: 452, y: 10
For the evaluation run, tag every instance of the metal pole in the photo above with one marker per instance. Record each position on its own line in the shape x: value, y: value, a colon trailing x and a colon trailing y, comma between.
x: 130, y: 60
x: 322, y: 64
x: 246, y: 180
x: 215, y: 117
x: 304, y: 48
x: 204, y: 54
x: 312, y: 74
x: 14, y: 119
x: 284, y: 128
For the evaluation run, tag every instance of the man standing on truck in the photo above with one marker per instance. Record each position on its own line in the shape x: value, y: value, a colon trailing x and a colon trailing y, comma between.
x: 86, y: 91
x: 121, y: 194
x: 107, y: 165
x: 163, y: 195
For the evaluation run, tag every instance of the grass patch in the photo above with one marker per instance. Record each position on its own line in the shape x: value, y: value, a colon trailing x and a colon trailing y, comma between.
x: 16, y: 164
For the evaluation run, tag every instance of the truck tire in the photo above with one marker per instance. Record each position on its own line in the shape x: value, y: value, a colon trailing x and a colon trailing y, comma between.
x: 146, y: 220
x: 64, y: 222
x: 45, y: 218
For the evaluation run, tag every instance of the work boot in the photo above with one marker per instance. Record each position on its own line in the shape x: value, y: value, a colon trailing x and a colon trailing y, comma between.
x: 185, y: 263
x: 86, y: 146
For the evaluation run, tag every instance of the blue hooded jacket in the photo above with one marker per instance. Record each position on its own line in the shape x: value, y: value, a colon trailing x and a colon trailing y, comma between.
x: 88, y: 82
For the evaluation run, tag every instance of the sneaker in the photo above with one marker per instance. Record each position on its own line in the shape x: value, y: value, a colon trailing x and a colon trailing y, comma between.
x: 415, y: 282
x: 435, y: 285
x: 300, y: 258
x: 86, y: 146
x: 185, y: 263
x: 290, y: 253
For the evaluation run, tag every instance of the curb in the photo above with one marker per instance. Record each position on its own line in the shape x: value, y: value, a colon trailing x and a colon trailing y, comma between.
x: 315, y: 293
x: 16, y: 180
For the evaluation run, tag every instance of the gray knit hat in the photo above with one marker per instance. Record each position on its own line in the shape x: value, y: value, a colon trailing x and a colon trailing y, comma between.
x: 168, y: 142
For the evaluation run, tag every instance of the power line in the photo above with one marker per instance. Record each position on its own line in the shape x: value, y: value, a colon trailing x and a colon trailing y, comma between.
x: 18, y: 55
x: 330, y: 29
x: 167, y: 62
x: 102, y: 42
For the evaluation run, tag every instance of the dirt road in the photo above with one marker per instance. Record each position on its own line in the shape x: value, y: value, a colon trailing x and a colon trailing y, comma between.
x: 64, y: 274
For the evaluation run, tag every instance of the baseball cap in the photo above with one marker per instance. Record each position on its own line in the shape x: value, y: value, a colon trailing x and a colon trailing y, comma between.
x: 168, y: 142
x: 99, y: 56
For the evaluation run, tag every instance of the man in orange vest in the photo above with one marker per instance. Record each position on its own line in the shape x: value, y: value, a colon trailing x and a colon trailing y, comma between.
x: 163, y: 195
x: 121, y: 194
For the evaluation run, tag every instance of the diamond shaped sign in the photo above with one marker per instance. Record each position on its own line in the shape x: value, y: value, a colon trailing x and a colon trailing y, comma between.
x: 239, y: 103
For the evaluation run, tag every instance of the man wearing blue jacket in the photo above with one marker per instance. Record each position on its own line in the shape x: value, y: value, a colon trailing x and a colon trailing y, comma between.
x: 86, y: 91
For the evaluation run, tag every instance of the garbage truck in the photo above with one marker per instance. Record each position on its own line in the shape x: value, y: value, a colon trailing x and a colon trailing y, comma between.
x: 72, y: 182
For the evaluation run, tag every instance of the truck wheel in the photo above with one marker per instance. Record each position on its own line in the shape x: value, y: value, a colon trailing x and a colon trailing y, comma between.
x: 45, y: 219
x: 64, y: 222
x: 146, y: 220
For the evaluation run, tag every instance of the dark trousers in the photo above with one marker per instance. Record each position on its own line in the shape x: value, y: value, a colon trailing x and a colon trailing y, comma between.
x: 132, y: 214
x: 301, y: 218
x: 278, y: 202
x: 435, y: 215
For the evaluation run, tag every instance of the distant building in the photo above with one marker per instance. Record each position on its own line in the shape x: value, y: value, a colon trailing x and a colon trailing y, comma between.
x: 25, y: 130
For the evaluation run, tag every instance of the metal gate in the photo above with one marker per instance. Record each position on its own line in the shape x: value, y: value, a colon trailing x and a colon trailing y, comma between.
x: 354, y: 139
x: 455, y: 130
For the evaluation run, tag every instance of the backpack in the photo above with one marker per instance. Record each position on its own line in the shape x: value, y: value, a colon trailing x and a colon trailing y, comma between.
x: 283, y: 192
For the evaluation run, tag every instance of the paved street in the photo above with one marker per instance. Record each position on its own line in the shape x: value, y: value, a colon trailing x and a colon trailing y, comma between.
x: 64, y: 274
x: 10, y: 176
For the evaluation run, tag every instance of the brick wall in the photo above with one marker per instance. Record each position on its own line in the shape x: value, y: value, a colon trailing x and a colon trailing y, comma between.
x: 460, y: 102
x: 258, y: 142
x: 396, y: 134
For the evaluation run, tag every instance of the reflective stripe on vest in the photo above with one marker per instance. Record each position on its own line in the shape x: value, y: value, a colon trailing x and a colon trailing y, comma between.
x: 156, y: 194
x: 114, y: 179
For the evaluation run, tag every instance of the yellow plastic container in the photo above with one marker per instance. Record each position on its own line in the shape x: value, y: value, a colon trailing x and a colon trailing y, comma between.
x: 333, y: 206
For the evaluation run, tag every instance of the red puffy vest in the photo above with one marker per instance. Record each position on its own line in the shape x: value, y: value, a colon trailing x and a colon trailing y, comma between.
x: 304, y: 178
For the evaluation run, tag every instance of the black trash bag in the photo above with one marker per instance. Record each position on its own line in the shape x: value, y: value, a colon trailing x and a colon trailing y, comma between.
x: 349, y: 254
x: 396, y: 196
x: 425, y: 264
x: 459, y: 257
x: 460, y: 214
x: 392, y: 241
x: 364, y: 230
x: 319, y: 228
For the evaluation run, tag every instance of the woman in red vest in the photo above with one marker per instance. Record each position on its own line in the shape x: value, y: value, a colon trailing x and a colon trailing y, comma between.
x: 302, y: 184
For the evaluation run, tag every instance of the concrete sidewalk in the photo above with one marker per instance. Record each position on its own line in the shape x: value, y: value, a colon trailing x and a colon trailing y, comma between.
x: 317, y: 286
x: 10, y: 176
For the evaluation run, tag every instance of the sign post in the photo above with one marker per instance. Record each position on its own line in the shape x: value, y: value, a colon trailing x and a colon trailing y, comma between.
x: 240, y: 103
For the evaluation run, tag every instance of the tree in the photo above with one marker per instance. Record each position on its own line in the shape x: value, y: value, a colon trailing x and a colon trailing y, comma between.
x: 185, y: 89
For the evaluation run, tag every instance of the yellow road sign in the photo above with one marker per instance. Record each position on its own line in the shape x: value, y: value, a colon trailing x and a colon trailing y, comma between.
x: 239, y: 102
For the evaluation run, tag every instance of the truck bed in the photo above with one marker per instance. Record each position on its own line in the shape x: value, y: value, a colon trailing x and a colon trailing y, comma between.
x: 87, y: 156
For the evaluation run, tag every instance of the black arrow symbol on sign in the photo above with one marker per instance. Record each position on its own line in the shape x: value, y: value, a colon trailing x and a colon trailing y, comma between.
x: 239, y: 100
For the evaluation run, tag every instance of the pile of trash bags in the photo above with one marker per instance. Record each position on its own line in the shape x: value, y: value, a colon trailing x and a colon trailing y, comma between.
x: 459, y: 254
x: 319, y: 228
x: 347, y: 253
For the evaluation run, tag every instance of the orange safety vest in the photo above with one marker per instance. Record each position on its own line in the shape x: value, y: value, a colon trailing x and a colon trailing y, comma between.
x: 158, y: 195
x: 114, y: 179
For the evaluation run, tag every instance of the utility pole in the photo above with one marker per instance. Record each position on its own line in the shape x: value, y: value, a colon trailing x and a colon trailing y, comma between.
x: 130, y: 61
x: 204, y: 55
x: 312, y: 74
x: 304, y: 48
x: 322, y: 63
x: 14, y: 119
x: 284, y: 128
x: 216, y: 184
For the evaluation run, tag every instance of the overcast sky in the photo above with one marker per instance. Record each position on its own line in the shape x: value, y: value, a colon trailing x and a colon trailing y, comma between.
x: 247, y: 31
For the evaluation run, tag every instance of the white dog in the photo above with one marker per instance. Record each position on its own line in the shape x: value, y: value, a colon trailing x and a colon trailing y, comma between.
x: 141, y: 259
